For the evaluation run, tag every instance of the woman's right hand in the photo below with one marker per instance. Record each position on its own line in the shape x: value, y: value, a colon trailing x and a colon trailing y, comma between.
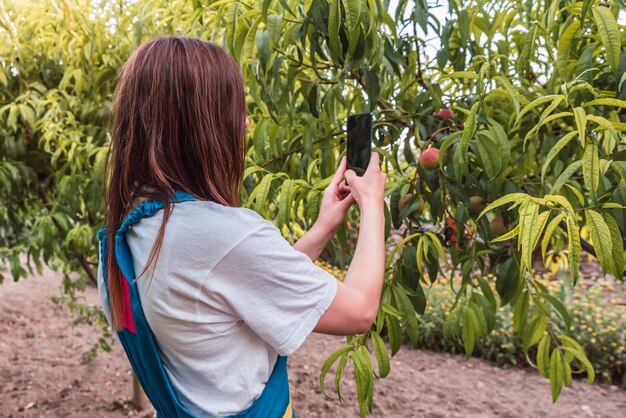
x: 355, y: 306
x: 368, y: 189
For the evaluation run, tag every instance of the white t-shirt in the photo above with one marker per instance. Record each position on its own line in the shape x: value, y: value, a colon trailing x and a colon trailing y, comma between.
x: 228, y: 294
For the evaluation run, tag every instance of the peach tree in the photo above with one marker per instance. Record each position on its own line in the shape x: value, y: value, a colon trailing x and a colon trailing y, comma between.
x: 501, y: 126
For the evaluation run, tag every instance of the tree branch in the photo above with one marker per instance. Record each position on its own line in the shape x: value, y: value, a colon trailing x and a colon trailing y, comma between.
x: 586, y: 245
x: 81, y: 259
x: 297, y: 149
x: 85, y: 265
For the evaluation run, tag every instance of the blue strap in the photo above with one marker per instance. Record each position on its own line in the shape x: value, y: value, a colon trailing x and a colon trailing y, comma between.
x: 141, y: 347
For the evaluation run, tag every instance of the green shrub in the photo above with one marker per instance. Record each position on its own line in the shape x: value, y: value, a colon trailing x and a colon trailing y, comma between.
x: 598, y: 324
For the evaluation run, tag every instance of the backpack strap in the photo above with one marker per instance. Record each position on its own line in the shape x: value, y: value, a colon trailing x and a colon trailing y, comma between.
x: 140, y: 345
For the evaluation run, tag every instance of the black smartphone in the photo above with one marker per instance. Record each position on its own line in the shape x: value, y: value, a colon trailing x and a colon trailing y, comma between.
x: 359, y: 149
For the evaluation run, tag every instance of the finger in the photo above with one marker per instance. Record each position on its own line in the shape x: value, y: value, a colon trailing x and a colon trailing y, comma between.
x: 344, y: 188
x: 374, y: 161
x: 339, y: 173
x: 350, y: 175
x: 347, y: 202
x: 342, y: 194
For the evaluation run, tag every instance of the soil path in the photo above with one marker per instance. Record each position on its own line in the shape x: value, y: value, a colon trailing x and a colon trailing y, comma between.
x: 42, y: 374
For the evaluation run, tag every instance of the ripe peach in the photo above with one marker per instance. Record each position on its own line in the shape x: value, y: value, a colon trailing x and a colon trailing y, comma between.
x: 429, y: 160
x: 445, y: 113
x: 405, y: 198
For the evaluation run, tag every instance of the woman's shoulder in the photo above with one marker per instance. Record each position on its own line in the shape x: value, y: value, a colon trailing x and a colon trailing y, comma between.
x: 201, y: 213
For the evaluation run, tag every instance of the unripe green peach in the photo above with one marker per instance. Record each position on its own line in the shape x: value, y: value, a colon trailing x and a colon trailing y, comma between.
x: 498, y: 227
x: 476, y: 205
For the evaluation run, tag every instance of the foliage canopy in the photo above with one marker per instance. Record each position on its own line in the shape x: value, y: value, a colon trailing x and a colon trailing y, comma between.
x: 537, y: 91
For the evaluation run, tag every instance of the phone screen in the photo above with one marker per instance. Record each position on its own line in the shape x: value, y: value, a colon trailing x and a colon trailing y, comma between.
x: 359, y: 142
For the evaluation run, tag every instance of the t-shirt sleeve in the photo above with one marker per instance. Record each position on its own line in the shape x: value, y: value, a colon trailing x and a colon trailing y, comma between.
x: 274, y: 288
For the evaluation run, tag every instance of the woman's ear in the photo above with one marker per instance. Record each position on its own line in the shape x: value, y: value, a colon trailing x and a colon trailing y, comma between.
x: 246, y: 123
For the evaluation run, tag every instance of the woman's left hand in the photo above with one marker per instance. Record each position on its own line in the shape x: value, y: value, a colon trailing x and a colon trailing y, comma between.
x: 336, y: 201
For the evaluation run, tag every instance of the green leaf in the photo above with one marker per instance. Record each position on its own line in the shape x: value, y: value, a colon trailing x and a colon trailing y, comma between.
x: 520, y: 311
x: 261, y: 191
x: 341, y: 366
x: 591, y: 170
x: 543, y: 355
x: 544, y: 115
x: 334, y: 23
x: 573, y: 244
x: 565, y: 175
x: 542, y: 220
x: 353, y: 13
x: 447, y: 143
x: 581, y: 123
x: 437, y: 244
x: 262, y: 40
x: 510, y: 89
x: 382, y: 356
x: 606, y: 102
x: 570, y: 342
x: 534, y: 331
x: 489, y: 155
x: 560, y: 308
x: 584, y: 10
x: 549, y: 231
x: 363, y: 377
x: 528, y: 217
x: 601, y: 238
x: 390, y: 310
x: 408, y: 314
x: 508, y: 281
x: 285, y: 201
x: 329, y: 362
x: 487, y: 292
x: 469, y: 330
x: 544, y: 120
x: 463, y: 147
x: 470, y: 75
x: 538, y: 102
x: 499, y: 136
x: 509, y: 235
x: 609, y: 34
x: 564, y: 49
x: 274, y: 23
x: 394, y: 333
x: 617, y: 246
x: 580, y: 356
x: 509, y: 198
x: 556, y: 373
x: 560, y: 200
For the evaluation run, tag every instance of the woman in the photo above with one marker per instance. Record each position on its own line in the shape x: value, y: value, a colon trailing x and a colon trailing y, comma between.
x: 225, y: 296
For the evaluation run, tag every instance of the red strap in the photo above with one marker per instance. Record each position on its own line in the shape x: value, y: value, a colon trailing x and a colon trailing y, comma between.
x: 127, y: 317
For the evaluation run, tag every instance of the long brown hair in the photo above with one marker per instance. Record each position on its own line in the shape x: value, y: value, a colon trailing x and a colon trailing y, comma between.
x: 178, y: 123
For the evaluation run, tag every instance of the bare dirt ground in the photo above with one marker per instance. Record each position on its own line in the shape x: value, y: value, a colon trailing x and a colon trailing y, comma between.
x: 42, y: 374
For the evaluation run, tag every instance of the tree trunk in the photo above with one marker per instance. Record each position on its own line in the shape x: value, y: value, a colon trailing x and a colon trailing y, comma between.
x: 139, y: 397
